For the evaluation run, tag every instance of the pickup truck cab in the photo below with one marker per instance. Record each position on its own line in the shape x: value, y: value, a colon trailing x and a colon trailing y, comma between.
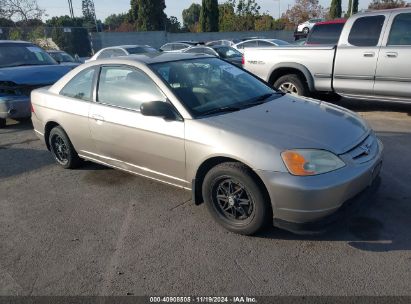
x: 371, y: 60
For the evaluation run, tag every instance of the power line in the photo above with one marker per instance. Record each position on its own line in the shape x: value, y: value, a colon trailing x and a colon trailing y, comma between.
x: 70, y: 3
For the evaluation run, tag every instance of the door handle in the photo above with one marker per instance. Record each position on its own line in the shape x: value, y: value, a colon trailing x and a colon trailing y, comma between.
x: 369, y: 54
x: 97, y: 117
x: 391, y: 54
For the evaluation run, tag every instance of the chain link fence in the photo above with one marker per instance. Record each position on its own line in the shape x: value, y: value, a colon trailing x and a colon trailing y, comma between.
x: 73, y: 40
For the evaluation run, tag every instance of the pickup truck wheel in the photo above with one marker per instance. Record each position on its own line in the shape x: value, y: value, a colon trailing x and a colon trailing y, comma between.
x: 234, y: 199
x: 291, y: 84
x: 62, y: 149
x: 2, y: 123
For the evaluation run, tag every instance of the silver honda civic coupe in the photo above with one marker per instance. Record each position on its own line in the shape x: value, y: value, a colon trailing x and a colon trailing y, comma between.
x: 251, y: 154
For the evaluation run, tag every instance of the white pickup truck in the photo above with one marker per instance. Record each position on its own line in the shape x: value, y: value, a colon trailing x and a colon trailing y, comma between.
x: 371, y: 61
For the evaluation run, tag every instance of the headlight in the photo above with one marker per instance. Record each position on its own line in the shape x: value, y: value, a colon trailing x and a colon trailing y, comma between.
x: 304, y: 162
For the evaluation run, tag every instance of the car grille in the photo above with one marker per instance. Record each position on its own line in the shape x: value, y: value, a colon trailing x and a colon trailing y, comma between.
x: 365, y: 151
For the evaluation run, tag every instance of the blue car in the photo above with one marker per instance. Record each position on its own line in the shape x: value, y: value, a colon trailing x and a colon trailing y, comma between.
x: 24, y: 67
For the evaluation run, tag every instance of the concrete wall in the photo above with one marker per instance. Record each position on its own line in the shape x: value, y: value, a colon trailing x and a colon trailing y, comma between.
x: 157, y: 39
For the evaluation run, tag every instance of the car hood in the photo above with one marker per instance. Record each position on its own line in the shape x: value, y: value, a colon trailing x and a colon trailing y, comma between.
x: 34, y: 75
x: 295, y: 123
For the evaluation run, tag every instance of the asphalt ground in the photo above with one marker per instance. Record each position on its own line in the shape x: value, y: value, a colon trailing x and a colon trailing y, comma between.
x: 98, y: 231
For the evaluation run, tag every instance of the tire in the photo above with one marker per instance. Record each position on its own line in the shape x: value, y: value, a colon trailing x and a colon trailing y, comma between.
x: 240, y: 217
x: 2, y: 123
x: 293, y: 84
x: 62, y: 149
x: 306, y: 30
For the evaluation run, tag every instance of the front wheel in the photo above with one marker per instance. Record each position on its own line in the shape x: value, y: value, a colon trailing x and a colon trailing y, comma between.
x: 234, y: 198
x: 291, y: 84
x: 62, y: 149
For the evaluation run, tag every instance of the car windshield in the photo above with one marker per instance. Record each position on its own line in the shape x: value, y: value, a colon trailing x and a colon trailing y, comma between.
x: 209, y: 85
x: 62, y: 57
x: 228, y: 52
x: 141, y: 50
x: 16, y: 54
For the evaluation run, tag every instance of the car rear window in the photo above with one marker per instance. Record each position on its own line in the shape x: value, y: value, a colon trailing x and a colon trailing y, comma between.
x: 325, y: 33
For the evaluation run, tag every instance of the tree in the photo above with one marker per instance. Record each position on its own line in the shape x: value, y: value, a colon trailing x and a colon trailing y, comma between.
x: 21, y: 10
x: 352, y: 6
x: 133, y: 12
x: 335, y: 9
x: 114, y: 21
x: 151, y: 16
x: 173, y: 25
x: 248, y: 11
x: 227, y: 17
x: 264, y: 23
x: 191, y: 16
x: 302, y: 11
x: 386, y: 4
x: 209, y: 16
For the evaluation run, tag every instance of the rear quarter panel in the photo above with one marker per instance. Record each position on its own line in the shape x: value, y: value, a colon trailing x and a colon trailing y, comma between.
x: 317, y: 60
x: 71, y: 114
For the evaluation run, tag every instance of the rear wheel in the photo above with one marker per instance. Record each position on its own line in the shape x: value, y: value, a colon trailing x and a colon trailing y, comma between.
x: 234, y: 198
x: 62, y: 149
x: 2, y: 123
x: 292, y: 84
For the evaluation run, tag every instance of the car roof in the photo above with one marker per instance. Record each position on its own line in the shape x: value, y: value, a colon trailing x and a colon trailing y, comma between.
x: 55, y: 51
x: 335, y: 21
x: 126, y: 46
x: 385, y: 11
x: 15, y: 41
x: 158, y: 57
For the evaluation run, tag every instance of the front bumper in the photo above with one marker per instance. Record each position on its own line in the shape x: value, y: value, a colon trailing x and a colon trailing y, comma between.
x: 15, y: 106
x: 301, y: 200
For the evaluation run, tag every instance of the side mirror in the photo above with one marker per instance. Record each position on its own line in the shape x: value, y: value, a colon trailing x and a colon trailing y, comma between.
x: 158, y: 109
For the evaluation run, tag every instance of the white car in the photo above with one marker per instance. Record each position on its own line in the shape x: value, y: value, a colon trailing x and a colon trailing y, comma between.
x: 122, y: 50
x: 178, y: 46
x: 259, y: 43
x: 305, y: 28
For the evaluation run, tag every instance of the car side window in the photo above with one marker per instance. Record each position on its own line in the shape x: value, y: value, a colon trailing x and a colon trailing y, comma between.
x: 179, y: 46
x: 366, y: 31
x: 118, y: 52
x: 209, y: 52
x: 126, y: 87
x: 400, y: 30
x: 105, y: 54
x: 249, y: 44
x: 195, y: 50
x: 166, y: 47
x: 264, y: 44
x: 80, y: 86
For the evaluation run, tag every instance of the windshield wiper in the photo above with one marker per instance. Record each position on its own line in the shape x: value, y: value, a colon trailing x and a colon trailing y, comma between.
x: 260, y: 99
x: 221, y: 110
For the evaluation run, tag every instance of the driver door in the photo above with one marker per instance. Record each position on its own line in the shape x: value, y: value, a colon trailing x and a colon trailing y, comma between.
x: 149, y: 146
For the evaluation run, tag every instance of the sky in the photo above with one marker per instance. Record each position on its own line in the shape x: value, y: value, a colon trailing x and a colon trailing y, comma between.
x: 105, y: 8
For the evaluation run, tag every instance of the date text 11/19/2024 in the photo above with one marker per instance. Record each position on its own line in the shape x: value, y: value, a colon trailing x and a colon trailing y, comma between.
x: 240, y: 299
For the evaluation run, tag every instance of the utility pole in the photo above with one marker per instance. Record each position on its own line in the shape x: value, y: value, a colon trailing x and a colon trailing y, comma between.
x: 70, y: 3
x: 279, y: 8
x: 94, y: 14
